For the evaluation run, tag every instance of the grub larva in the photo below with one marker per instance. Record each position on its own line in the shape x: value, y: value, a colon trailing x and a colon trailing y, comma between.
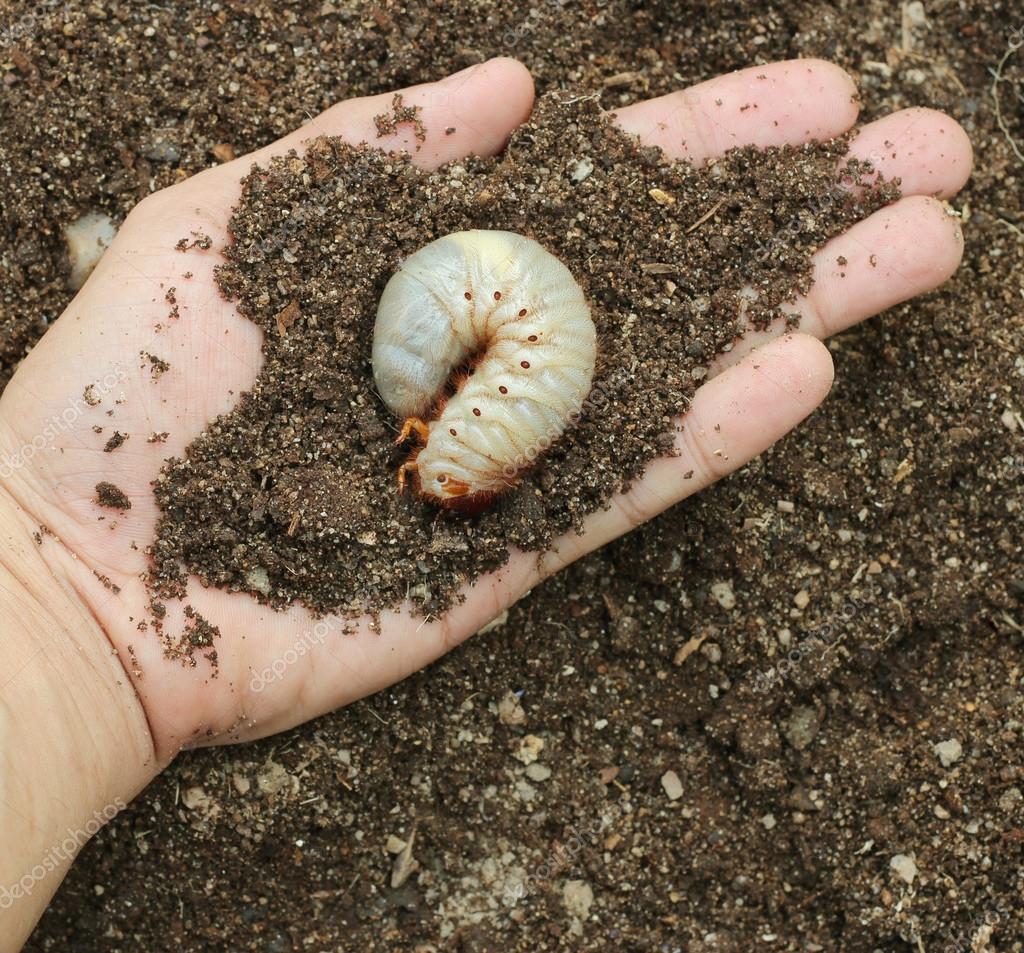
x: 502, y: 305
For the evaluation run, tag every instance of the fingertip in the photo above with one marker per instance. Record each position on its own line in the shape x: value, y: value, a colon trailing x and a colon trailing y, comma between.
x: 934, y: 245
x: 799, y: 365
x: 928, y: 151
x: 512, y: 71
x: 517, y: 85
x: 835, y: 81
x: 508, y: 74
x: 825, y: 94
x: 821, y: 367
x: 954, y: 151
x: 480, y: 107
x: 786, y: 103
x: 901, y: 251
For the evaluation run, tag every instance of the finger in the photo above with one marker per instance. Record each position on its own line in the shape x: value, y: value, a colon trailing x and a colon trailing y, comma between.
x: 903, y: 250
x: 928, y: 151
x: 790, y: 102
x: 469, y: 113
x: 899, y: 252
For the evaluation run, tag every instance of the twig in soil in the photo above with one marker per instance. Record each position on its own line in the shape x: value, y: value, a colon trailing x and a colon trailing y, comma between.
x: 1013, y: 228
x: 700, y: 221
x: 906, y: 30
x: 579, y: 99
x: 997, y: 78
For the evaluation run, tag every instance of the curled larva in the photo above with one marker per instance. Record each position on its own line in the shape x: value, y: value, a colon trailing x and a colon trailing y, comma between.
x: 503, y: 305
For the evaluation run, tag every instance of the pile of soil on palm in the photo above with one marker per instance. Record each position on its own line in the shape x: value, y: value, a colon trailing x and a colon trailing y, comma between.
x: 292, y: 495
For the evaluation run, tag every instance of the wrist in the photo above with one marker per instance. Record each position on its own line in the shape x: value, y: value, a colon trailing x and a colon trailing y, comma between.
x: 74, y: 743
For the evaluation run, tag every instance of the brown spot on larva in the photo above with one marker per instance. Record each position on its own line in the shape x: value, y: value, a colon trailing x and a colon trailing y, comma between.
x: 503, y: 389
x: 452, y: 431
x: 497, y: 296
x: 524, y: 364
x: 476, y: 411
x: 532, y: 337
x: 522, y: 313
x: 469, y: 296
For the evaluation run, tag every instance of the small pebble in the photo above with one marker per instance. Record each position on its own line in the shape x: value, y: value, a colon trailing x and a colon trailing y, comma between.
x: 1010, y: 800
x: 904, y: 867
x: 949, y: 752
x: 529, y: 749
x: 723, y: 595
x: 538, y: 772
x: 582, y: 169
x: 672, y: 786
x: 802, y: 726
x: 160, y: 150
x: 915, y: 13
x: 511, y: 711
x: 578, y: 897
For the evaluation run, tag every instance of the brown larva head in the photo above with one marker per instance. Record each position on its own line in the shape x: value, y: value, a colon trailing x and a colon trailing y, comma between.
x: 442, y: 480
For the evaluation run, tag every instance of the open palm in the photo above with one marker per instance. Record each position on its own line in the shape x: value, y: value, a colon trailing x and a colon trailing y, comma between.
x: 277, y: 669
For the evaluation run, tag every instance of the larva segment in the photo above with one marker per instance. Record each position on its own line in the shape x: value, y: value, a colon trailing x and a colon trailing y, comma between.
x: 504, y: 301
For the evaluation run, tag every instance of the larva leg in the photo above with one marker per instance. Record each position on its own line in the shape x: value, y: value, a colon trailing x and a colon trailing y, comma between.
x: 413, y: 425
x: 408, y: 467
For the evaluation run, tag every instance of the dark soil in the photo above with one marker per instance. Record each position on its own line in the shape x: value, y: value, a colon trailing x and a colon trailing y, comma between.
x: 112, y: 497
x: 879, y: 548
x: 297, y: 484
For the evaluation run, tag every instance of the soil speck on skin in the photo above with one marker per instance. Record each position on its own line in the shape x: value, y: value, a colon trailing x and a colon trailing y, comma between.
x: 387, y: 123
x: 196, y: 637
x: 107, y: 584
x: 112, y: 497
x: 157, y: 366
x: 198, y: 240
x: 116, y: 441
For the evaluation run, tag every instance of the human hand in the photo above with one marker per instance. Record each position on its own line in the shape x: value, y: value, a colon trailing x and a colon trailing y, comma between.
x: 214, y: 354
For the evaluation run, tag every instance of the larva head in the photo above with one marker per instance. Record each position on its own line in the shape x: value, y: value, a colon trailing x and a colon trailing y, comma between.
x: 442, y: 479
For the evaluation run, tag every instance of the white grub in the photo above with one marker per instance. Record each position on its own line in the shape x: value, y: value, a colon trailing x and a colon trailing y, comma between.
x: 87, y: 239
x: 502, y: 302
